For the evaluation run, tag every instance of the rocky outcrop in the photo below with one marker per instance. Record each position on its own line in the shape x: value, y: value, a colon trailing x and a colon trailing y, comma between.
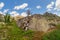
x: 37, y: 22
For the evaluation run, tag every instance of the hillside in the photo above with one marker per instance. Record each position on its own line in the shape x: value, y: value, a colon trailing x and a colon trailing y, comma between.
x: 34, y: 27
x: 38, y: 22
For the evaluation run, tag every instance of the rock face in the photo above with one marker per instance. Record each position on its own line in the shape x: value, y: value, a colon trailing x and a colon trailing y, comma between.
x: 37, y: 22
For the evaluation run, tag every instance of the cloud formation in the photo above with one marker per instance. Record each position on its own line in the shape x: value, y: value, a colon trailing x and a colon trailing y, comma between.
x: 50, y: 6
x: 1, y: 12
x: 6, y: 10
x: 57, y: 13
x: 57, y: 5
x: 14, y: 13
x: 28, y: 9
x: 38, y: 7
x: 24, y: 5
x: 1, y: 5
x: 24, y: 14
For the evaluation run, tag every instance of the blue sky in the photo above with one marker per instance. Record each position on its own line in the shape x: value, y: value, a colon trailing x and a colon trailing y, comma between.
x: 35, y: 6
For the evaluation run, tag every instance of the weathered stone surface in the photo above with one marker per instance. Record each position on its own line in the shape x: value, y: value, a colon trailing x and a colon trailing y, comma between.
x: 36, y: 22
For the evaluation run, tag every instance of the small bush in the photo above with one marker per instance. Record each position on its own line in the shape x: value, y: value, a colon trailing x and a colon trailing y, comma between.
x: 55, y: 35
x: 58, y: 26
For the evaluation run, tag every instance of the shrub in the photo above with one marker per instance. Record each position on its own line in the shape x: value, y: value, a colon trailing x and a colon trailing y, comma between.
x: 58, y: 26
x: 55, y: 35
x: 7, y: 18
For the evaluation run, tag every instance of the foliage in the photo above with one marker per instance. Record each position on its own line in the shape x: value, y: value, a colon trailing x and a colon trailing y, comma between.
x: 58, y: 26
x: 7, y: 18
x: 54, y: 35
x: 10, y: 31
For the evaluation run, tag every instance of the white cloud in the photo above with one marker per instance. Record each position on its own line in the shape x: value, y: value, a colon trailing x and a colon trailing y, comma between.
x: 49, y: 9
x: 52, y: 3
x: 1, y: 12
x: 38, y: 7
x: 6, y: 10
x: 24, y: 14
x: 57, y: 13
x: 57, y: 5
x: 54, y: 8
x: 28, y: 9
x: 14, y: 13
x: 50, y: 6
x: 24, y: 5
x: 1, y: 5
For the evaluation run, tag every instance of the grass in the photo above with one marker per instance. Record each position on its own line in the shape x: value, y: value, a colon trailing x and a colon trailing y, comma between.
x: 12, y: 32
x: 54, y: 35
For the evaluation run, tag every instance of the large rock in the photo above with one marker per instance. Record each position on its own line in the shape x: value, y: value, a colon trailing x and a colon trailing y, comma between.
x: 36, y: 22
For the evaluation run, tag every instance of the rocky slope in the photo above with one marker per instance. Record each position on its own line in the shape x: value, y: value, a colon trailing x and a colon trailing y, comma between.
x: 38, y: 22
